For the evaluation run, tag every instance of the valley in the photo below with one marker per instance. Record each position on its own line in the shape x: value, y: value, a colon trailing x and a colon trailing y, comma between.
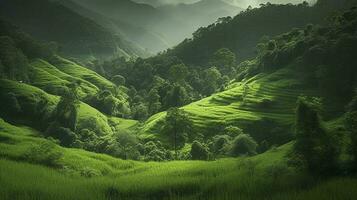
x: 108, y: 100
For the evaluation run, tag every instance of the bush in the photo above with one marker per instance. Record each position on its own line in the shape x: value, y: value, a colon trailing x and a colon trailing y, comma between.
x: 233, y: 131
x: 64, y: 135
x: 156, y: 155
x: 220, y: 143
x: 44, y: 153
x: 126, y: 144
x: 156, y: 152
x: 199, y: 151
x: 243, y: 145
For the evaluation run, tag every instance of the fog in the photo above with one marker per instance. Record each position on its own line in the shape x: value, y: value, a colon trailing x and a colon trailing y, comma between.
x: 239, y: 3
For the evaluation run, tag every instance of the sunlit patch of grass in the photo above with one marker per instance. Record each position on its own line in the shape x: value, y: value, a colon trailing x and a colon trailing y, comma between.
x: 262, y: 97
x: 76, y: 70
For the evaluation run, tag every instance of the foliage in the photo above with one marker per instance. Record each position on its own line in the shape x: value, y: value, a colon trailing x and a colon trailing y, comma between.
x: 199, y: 151
x: 314, y: 146
x: 126, y: 146
x: 243, y: 144
x: 177, y: 127
x: 14, y: 62
x: 225, y: 61
x: 118, y: 80
x: 65, y: 113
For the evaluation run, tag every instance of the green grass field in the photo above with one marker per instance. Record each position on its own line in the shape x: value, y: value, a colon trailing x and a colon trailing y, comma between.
x: 86, y: 175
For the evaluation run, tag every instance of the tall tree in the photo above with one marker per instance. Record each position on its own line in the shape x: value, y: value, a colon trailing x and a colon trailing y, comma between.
x: 177, y: 126
x: 66, y: 110
x: 314, y: 146
x: 154, y: 101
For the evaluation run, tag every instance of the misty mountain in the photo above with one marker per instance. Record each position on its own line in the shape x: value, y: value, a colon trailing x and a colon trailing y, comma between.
x: 242, y: 33
x: 157, y: 3
x: 137, y: 35
x: 159, y: 28
x: 238, y: 3
x: 76, y: 35
x: 201, y: 13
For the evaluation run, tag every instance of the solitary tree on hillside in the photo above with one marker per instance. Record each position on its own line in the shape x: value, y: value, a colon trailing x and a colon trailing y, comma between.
x: 66, y: 110
x: 314, y: 146
x: 177, y: 126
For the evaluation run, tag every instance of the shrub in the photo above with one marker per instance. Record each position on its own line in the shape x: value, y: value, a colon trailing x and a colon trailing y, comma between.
x: 156, y: 155
x: 199, y: 151
x: 243, y: 145
x: 233, y: 131
x: 220, y: 143
x: 126, y: 146
x: 64, y: 135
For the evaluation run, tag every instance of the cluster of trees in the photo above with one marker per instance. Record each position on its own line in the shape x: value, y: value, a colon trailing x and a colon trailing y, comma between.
x: 16, y: 48
x: 161, y: 82
x: 231, y: 142
x: 317, y: 148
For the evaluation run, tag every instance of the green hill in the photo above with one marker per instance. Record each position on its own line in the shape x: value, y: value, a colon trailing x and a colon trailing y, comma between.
x: 257, y: 105
x: 77, y: 36
x: 242, y: 33
x: 262, y: 100
x: 281, y: 125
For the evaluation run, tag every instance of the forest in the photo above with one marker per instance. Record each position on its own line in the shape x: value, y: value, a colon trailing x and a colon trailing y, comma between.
x: 206, y: 99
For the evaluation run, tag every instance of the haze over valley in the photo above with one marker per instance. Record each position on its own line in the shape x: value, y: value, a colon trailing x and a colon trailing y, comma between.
x: 169, y: 100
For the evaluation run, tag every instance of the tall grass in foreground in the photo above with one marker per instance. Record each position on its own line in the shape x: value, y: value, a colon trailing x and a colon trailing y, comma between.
x: 177, y: 180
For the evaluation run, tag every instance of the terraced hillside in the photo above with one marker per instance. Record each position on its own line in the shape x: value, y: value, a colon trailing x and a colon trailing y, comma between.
x: 267, y: 100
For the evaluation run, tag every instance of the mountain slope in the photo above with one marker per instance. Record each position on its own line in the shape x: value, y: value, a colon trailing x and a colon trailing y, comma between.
x: 138, y: 37
x: 257, y: 105
x: 201, y: 13
x: 315, y: 61
x: 76, y: 35
x: 242, y: 33
x: 159, y: 28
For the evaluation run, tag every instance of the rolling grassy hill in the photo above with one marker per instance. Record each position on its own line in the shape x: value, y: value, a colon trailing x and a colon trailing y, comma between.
x: 258, y: 105
x: 39, y: 98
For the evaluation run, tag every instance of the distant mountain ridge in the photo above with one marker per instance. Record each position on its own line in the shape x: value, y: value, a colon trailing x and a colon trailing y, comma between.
x: 164, y: 26
x: 75, y: 34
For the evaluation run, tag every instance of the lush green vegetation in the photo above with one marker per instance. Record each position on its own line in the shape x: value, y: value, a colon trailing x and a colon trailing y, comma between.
x: 279, y: 123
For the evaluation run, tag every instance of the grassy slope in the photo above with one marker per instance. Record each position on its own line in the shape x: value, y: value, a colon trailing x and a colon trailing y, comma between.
x: 261, y: 177
x: 268, y: 97
x: 78, y: 71
x: 88, y: 117
x: 44, y: 75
